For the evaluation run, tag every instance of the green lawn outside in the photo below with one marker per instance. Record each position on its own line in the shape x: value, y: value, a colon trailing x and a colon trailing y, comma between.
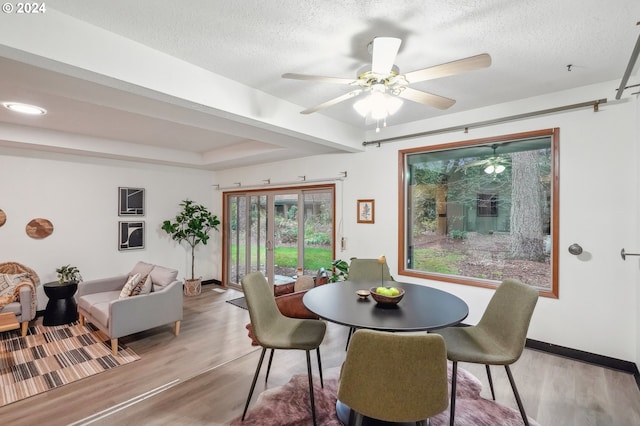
x: 433, y: 260
x: 436, y: 260
x: 315, y: 257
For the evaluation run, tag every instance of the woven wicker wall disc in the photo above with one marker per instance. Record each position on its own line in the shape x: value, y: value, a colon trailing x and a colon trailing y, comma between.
x: 39, y: 228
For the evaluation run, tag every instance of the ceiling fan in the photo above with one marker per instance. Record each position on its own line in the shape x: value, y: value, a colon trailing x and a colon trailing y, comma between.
x: 383, y: 79
x: 493, y: 165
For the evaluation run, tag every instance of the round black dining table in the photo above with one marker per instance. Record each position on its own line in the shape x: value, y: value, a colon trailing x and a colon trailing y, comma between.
x: 421, y: 308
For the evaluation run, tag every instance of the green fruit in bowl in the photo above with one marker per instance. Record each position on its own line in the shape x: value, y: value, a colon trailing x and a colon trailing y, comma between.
x: 387, y: 291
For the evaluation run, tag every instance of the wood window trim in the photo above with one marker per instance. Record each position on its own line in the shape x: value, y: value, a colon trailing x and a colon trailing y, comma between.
x: 554, y: 133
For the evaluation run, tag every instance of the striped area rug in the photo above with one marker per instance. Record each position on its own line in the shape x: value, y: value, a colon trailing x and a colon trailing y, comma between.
x: 49, y: 357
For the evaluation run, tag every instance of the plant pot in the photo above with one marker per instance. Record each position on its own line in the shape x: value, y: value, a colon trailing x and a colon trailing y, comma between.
x: 193, y: 287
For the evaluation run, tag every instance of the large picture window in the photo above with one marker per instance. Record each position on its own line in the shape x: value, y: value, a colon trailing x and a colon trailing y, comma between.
x: 476, y: 212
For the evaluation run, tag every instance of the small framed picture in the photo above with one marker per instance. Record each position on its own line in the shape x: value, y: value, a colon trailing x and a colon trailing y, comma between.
x: 130, y: 201
x: 366, y: 211
x: 131, y: 235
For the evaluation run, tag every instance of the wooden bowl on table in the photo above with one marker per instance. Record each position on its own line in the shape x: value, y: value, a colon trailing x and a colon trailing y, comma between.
x: 363, y: 294
x: 384, y: 299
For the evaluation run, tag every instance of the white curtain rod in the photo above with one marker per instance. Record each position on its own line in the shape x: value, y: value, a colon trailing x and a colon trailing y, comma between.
x: 466, y: 127
x: 268, y: 184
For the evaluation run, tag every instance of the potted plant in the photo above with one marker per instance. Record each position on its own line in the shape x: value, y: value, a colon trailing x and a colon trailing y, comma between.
x: 340, y: 271
x: 192, y: 225
x: 68, y: 274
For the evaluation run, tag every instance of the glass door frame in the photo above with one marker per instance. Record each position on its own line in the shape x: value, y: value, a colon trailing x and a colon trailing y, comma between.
x: 271, y: 194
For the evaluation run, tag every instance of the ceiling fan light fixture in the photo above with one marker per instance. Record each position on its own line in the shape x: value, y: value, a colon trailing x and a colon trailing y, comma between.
x: 497, y: 169
x: 378, y: 104
x: 362, y: 106
x: 393, y: 104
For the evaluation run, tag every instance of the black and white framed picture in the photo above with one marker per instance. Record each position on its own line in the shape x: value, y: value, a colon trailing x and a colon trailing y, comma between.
x: 130, y: 201
x: 131, y: 235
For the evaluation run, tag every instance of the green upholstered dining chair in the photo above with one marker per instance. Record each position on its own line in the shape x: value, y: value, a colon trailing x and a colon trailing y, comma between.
x: 497, y: 339
x: 272, y: 330
x: 394, y: 377
x: 367, y: 270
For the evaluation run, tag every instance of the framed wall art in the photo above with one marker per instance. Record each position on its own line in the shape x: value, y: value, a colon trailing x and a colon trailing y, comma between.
x: 131, y: 235
x: 130, y: 201
x: 366, y: 211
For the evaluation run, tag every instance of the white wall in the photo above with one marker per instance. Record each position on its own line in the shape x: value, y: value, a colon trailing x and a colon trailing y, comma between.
x: 80, y: 198
x: 597, y: 310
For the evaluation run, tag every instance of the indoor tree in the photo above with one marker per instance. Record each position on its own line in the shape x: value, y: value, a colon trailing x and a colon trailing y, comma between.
x: 192, y: 225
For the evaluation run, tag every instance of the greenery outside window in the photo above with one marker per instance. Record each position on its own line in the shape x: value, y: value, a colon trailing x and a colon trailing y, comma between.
x: 476, y: 212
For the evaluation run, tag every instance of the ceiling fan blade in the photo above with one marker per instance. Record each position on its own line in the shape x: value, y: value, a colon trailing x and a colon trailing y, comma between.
x: 384, y: 54
x: 450, y: 68
x: 332, y: 102
x: 320, y: 78
x: 425, y: 98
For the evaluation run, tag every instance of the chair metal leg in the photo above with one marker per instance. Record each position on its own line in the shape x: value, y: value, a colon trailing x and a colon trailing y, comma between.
x: 517, y: 395
x: 493, y: 395
x: 313, y: 404
x: 320, y: 367
x: 253, y: 384
x: 269, y: 365
x: 351, y: 331
x: 452, y: 406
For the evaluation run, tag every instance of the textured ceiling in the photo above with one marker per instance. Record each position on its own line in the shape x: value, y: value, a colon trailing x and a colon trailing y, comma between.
x: 254, y: 42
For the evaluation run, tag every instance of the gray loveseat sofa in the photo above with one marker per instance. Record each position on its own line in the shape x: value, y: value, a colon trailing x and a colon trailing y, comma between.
x: 99, y: 303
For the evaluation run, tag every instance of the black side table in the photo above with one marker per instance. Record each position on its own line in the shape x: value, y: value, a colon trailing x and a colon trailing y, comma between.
x: 61, y: 308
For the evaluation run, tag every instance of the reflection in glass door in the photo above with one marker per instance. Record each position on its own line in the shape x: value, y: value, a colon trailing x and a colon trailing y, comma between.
x: 318, y: 231
x: 247, y: 231
x: 277, y: 231
x: 286, y: 237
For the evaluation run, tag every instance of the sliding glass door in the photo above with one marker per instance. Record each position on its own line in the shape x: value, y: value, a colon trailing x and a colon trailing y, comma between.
x: 277, y: 231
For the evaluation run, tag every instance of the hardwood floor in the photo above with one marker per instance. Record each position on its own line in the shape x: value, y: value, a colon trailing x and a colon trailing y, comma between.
x: 202, y: 377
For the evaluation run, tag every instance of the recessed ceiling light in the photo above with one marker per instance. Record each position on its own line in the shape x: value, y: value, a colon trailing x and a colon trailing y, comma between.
x: 24, y: 108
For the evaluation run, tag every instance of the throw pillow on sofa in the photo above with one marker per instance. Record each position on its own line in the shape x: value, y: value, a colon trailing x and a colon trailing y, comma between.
x: 142, y: 268
x: 129, y: 286
x: 303, y: 282
x: 162, y: 276
x: 143, y: 286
